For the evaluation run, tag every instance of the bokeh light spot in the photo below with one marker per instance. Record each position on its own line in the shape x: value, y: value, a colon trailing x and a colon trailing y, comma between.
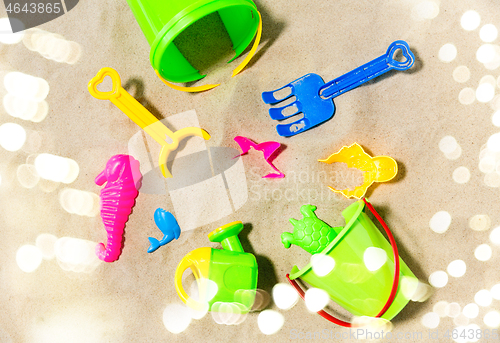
x: 485, y: 92
x: 480, y: 222
x: 409, y: 286
x: 457, y: 268
x: 26, y: 86
x: 425, y: 10
x: 438, y: 279
x: 284, y: 296
x: 316, y: 299
x: 262, y: 300
x: 483, y: 252
x: 493, y: 143
x: 486, y: 53
x: 487, y: 164
x: 447, y: 53
x: 46, y: 243
x: 492, y: 179
x: 495, y: 236
x: 199, y: 313
x: 322, y: 264
x: 467, y: 96
x: 453, y: 310
x: 79, y: 202
x: 176, y: 318
x: 430, y: 320
x: 470, y: 20
x: 455, y: 154
x: 461, y: 320
x: 440, y: 222
x: 483, y: 298
x: 422, y: 293
x: 270, y: 322
x: 461, y: 74
x: 495, y: 291
x: 488, y: 33
x: 471, y: 310
x: 492, y: 319
x: 28, y: 258
x: 440, y: 308
x: 448, y: 144
x: 27, y: 175
x: 495, y: 118
x: 12, y: 136
x: 371, y: 327
x: 56, y: 168
x: 461, y: 175
x: 488, y: 79
x: 374, y: 258
x: 76, y: 255
x: 209, y: 290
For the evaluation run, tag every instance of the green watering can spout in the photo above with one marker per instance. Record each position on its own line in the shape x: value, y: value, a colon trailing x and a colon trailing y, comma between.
x: 227, y: 236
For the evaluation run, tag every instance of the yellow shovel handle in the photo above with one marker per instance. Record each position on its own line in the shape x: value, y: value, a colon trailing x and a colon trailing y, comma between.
x: 128, y: 105
x: 141, y: 116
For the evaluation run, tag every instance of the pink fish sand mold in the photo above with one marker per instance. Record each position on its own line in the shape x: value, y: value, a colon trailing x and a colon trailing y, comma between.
x: 270, y: 150
x: 122, y: 177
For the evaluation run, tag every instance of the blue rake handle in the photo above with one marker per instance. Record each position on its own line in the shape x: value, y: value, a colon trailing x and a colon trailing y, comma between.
x: 369, y: 71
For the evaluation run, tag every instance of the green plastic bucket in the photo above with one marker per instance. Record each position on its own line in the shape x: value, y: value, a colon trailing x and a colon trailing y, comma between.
x: 162, y: 21
x: 363, y: 275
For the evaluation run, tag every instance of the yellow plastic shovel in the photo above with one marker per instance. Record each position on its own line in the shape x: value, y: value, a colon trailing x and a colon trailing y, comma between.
x: 142, y: 117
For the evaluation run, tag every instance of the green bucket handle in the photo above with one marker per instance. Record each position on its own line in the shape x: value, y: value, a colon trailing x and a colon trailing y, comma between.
x: 395, y: 282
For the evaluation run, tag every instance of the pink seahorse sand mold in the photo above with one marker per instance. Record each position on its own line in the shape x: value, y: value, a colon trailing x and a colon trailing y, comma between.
x: 122, y: 177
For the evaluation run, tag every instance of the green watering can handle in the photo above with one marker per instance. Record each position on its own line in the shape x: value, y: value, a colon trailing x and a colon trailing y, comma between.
x: 395, y: 282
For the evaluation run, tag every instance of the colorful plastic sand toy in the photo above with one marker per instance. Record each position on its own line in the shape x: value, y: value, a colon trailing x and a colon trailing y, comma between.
x: 310, y: 233
x: 376, y: 169
x: 314, y: 97
x: 122, y: 177
x: 366, y: 269
x: 162, y: 21
x: 231, y: 269
x: 142, y: 117
x: 168, y: 225
x: 268, y: 148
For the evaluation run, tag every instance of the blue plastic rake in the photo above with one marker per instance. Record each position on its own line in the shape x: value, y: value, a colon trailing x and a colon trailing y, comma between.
x: 314, y: 97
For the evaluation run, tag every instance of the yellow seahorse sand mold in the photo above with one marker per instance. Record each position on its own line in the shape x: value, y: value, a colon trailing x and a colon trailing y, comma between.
x: 376, y: 169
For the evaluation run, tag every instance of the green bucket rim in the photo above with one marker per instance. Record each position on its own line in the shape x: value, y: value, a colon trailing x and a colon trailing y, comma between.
x: 186, y: 18
x: 347, y: 227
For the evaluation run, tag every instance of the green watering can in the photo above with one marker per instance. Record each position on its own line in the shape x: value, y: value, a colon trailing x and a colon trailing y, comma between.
x: 354, y: 282
x: 231, y: 269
